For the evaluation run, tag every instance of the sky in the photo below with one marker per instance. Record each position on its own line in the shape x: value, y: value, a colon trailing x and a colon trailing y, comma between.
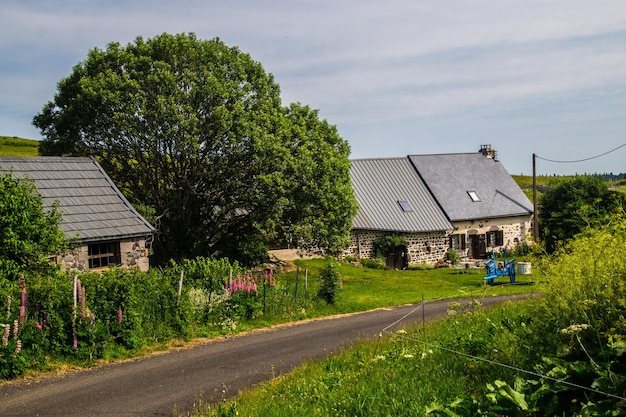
x: 398, y: 77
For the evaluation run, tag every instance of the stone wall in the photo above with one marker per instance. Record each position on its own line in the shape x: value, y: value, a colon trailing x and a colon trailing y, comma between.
x: 516, y: 230
x: 432, y: 247
x: 422, y: 247
x: 132, y: 254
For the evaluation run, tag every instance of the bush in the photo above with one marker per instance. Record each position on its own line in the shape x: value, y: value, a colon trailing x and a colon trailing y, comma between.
x: 373, y: 264
x: 28, y: 234
x: 329, y: 280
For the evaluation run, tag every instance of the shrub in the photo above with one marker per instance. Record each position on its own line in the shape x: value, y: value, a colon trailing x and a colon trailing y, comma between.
x: 329, y: 279
x: 373, y: 264
x: 28, y: 234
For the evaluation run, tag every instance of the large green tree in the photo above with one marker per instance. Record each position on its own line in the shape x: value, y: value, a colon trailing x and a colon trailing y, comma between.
x: 194, y: 131
x: 28, y: 233
x: 574, y: 203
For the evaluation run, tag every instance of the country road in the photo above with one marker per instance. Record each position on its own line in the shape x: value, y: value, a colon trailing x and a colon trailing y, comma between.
x: 165, y: 383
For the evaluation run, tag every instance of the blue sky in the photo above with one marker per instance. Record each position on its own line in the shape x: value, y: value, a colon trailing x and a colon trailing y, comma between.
x: 396, y: 78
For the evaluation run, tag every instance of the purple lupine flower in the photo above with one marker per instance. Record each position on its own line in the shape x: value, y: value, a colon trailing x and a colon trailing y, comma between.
x: 44, y: 324
x: 119, y: 315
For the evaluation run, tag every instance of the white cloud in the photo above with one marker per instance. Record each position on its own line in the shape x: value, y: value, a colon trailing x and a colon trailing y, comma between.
x: 385, y: 65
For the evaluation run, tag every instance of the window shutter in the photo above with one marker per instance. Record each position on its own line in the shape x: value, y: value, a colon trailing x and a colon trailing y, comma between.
x: 499, y: 238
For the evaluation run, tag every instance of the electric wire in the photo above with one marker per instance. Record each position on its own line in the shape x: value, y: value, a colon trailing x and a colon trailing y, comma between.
x: 580, y: 160
x: 492, y: 362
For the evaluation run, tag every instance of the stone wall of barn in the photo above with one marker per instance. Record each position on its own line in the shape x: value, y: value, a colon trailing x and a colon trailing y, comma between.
x: 132, y: 254
x: 428, y: 248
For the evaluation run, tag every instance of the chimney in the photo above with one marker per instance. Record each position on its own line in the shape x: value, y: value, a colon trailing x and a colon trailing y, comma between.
x: 488, y: 151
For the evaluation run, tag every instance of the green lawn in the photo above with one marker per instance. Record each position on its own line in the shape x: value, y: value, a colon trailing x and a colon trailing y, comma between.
x: 365, y: 288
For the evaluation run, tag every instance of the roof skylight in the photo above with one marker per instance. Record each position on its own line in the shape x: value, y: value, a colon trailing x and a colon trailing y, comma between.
x: 474, y: 196
x: 405, y: 205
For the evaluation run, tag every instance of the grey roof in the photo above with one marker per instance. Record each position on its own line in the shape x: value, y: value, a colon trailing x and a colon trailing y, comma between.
x: 380, y: 184
x: 92, y: 206
x: 450, y: 177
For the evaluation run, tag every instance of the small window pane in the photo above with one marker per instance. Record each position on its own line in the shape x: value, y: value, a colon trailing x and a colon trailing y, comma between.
x: 405, y: 205
x: 474, y: 196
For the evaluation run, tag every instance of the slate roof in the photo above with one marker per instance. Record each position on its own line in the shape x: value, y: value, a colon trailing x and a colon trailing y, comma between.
x: 451, y: 177
x: 380, y: 184
x: 92, y: 206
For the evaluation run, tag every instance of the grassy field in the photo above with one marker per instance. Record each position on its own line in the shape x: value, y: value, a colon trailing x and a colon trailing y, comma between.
x: 365, y: 288
x: 14, y: 146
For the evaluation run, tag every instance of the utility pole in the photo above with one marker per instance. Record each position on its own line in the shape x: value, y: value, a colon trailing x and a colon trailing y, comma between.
x: 535, y: 223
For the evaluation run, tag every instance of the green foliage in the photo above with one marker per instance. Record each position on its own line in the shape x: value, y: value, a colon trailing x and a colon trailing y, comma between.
x: 329, y: 281
x: 322, y: 205
x: 373, y: 263
x: 28, y: 233
x: 195, y: 130
x: 574, y: 203
x: 453, y: 256
x: 385, y: 245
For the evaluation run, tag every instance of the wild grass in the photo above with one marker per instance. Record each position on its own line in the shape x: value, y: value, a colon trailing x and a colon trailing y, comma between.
x: 14, y: 146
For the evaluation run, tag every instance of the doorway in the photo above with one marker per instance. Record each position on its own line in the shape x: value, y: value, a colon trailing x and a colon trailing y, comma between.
x: 398, y: 259
x: 477, y: 246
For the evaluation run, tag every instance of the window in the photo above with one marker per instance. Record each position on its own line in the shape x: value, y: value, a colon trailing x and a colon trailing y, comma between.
x: 405, y: 206
x: 102, y: 255
x: 474, y: 196
x: 495, y: 238
x: 457, y: 241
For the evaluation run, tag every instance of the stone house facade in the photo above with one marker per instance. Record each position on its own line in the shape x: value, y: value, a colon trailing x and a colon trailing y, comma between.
x: 466, y: 201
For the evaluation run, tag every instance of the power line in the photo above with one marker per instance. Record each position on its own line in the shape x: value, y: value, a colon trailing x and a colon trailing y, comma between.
x: 581, y: 160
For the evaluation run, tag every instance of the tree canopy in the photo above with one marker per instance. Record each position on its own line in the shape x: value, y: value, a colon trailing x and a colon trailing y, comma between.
x: 195, y: 135
x: 574, y: 203
x: 28, y: 233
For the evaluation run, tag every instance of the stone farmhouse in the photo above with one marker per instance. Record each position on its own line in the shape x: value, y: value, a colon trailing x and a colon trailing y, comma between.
x: 106, y: 229
x: 464, y: 201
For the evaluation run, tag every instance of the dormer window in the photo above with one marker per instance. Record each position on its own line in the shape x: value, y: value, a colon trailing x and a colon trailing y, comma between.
x: 474, y: 196
x: 405, y: 206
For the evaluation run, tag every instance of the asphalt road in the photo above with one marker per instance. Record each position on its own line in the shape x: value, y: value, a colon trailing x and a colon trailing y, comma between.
x: 172, y: 382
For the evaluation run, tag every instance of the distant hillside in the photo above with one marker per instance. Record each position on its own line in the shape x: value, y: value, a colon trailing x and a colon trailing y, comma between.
x: 14, y: 146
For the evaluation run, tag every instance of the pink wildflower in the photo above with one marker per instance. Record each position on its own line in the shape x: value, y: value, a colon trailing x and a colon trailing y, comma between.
x: 18, y: 348
x: 22, y: 314
x: 38, y: 326
x: 24, y: 297
x: 16, y: 329
x: 119, y: 315
x: 7, y: 332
